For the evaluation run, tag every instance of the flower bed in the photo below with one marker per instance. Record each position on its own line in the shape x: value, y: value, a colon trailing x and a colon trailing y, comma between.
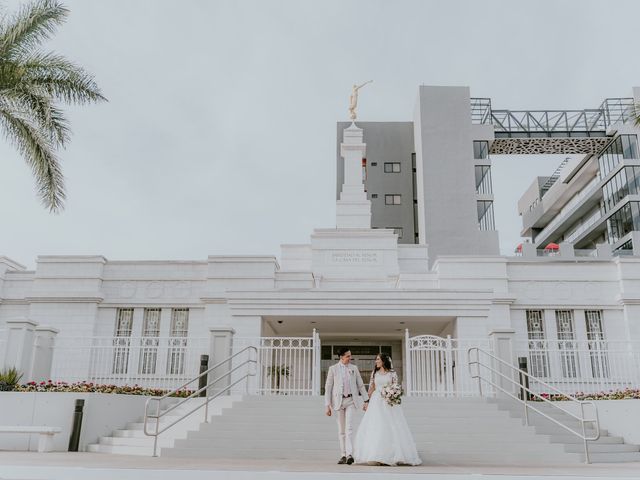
x: 626, y: 394
x: 88, y: 387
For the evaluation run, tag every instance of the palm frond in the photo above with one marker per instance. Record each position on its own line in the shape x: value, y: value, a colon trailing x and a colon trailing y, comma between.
x: 40, y: 108
x: 39, y: 154
x: 56, y: 76
x: 33, y: 23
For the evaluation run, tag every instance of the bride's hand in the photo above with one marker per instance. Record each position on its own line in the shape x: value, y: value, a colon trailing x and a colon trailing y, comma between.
x: 364, y: 407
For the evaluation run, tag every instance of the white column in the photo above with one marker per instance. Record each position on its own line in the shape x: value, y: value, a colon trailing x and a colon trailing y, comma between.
x: 220, y: 349
x: 19, y: 351
x: 353, y: 210
x: 42, y: 354
x: 501, y: 341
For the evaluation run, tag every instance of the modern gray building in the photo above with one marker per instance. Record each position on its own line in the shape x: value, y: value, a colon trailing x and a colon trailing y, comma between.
x: 430, y: 178
x: 591, y: 199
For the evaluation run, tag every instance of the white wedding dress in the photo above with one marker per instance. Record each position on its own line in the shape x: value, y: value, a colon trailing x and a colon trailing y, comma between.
x: 383, y: 435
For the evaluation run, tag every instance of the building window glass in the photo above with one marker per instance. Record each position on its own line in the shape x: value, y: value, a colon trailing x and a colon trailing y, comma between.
x: 392, y: 199
x: 483, y: 180
x: 149, y: 341
x: 597, y: 345
x: 623, y: 147
x: 623, y: 221
x: 485, y: 215
x: 567, y: 344
x: 538, y: 351
x: 391, y: 167
x: 122, y: 341
x: 178, y: 344
x: 480, y: 149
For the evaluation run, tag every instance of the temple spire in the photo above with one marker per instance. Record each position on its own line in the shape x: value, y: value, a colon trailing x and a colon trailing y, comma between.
x: 353, y: 209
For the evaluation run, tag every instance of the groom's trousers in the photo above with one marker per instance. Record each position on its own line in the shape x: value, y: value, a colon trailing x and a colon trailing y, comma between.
x: 344, y: 416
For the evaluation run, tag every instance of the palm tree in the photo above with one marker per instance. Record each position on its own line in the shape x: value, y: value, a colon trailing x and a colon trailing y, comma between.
x: 32, y: 82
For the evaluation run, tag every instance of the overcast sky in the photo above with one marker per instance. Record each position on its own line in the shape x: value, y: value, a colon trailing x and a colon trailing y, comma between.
x: 219, y: 134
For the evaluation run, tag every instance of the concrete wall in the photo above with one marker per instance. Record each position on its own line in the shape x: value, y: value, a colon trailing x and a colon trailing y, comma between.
x: 620, y: 417
x: 103, y: 413
x: 386, y: 142
x: 447, y: 197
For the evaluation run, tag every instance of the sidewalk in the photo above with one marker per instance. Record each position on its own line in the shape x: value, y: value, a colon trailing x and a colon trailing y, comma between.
x: 92, y: 466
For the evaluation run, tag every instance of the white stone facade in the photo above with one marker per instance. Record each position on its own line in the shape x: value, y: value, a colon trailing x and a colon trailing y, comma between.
x: 353, y: 284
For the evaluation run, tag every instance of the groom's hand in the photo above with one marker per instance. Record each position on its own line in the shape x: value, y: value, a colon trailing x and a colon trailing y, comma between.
x: 328, y: 412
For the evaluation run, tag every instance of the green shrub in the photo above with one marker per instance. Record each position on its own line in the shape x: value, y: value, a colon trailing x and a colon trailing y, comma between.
x: 9, y: 378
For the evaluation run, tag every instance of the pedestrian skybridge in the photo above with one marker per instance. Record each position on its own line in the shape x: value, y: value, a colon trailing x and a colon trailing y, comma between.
x: 551, y: 131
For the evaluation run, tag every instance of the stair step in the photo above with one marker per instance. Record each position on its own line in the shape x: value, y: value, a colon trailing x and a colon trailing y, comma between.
x: 602, y: 447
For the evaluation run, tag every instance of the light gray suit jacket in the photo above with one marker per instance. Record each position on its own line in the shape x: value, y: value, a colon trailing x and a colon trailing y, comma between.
x: 334, y: 385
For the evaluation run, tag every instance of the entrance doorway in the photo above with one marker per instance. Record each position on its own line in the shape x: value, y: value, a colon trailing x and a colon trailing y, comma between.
x: 363, y: 355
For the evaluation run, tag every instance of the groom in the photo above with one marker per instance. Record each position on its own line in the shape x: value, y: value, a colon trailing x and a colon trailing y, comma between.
x: 344, y: 392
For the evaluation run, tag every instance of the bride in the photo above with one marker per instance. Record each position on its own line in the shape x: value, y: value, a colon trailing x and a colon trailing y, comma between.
x: 384, y: 436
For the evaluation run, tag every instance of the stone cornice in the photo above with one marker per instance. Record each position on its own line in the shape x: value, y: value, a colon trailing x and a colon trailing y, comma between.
x: 622, y: 300
x: 64, y: 299
x: 504, y: 300
x: 150, y: 304
x: 71, y: 259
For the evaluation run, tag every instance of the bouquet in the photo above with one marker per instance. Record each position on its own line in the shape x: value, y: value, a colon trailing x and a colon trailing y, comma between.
x: 392, y: 393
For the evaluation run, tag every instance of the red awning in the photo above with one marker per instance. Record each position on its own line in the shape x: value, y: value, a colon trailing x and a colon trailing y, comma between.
x: 519, y: 248
x: 552, y: 246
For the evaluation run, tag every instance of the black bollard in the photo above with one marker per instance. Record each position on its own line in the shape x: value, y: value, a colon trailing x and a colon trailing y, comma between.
x: 74, y: 439
x: 202, y: 382
x: 524, y: 379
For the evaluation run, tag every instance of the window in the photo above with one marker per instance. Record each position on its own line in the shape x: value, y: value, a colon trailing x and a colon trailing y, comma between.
x: 623, y: 221
x: 623, y: 147
x: 566, y: 343
x: 483, y: 180
x: 178, y: 345
x: 538, y: 351
x: 122, y: 341
x: 485, y: 215
x: 149, y: 341
x: 124, y: 322
x: 597, y: 345
x: 623, y: 183
x: 374, y: 164
x: 393, y: 199
x: 374, y: 195
x: 480, y: 149
x: 391, y: 167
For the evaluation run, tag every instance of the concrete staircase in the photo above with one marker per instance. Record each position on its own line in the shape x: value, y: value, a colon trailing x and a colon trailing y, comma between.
x: 131, y: 440
x: 607, y: 449
x: 447, y: 432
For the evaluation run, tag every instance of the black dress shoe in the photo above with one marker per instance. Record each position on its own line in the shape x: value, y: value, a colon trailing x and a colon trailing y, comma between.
x: 342, y: 460
x: 349, y: 460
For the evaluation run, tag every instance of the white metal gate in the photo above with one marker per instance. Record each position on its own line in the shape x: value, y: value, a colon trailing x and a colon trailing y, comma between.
x: 286, y: 365
x: 437, y: 366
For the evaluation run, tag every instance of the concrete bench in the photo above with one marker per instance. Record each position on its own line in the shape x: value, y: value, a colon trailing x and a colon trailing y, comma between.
x: 45, y: 440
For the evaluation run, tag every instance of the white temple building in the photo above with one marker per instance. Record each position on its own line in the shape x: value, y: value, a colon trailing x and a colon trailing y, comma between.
x: 575, y: 316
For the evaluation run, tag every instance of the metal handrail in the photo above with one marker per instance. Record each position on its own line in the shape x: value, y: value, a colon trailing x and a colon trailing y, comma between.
x: 523, y: 386
x: 157, y: 416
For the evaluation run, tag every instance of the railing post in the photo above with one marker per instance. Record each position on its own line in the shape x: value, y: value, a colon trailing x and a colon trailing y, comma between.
x: 524, y: 386
x: 19, y: 346
x: 501, y: 341
x: 203, y: 379
x: 407, y: 361
x: 584, y: 435
x: 221, y: 343
x: 315, y: 372
x: 43, y: 349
